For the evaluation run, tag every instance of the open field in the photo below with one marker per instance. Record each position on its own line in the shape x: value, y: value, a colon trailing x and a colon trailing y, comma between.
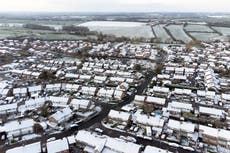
x: 223, y: 30
x: 127, y: 29
x: 198, y: 28
x: 46, y: 22
x: 178, y: 33
x: 13, y: 28
x: 17, y: 32
x: 112, y: 24
x: 55, y: 24
x: 13, y: 32
x: 56, y: 36
x: 205, y: 36
x: 161, y: 33
x: 197, y: 23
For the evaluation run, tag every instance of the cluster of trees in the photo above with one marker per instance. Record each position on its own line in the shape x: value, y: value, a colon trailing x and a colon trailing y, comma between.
x: 112, y: 38
x: 148, y: 108
x: 137, y: 67
x: 38, y: 27
x: 46, y: 75
x: 224, y: 73
x: 158, y: 69
x: 78, y: 30
x: 193, y: 43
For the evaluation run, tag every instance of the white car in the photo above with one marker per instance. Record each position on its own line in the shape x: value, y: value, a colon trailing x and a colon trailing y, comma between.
x: 51, y: 139
x: 188, y: 148
x: 98, y: 130
x: 136, y: 129
x: 74, y: 125
x: 174, y: 145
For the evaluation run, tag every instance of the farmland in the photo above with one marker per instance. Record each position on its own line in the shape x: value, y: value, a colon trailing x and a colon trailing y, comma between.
x: 178, y: 33
x: 16, y: 32
x: 164, y: 32
x: 119, y: 29
x: 205, y: 36
x: 160, y: 33
x: 223, y: 30
x: 198, y: 28
x: 44, y: 22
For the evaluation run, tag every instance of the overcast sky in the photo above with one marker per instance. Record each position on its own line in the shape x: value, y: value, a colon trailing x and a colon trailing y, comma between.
x: 115, y: 5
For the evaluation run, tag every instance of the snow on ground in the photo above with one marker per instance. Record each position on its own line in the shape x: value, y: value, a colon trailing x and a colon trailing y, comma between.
x: 31, y: 136
x: 205, y: 36
x: 112, y: 24
x: 127, y: 29
x: 223, y: 30
x: 178, y: 33
x: 198, y: 28
x: 161, y: 33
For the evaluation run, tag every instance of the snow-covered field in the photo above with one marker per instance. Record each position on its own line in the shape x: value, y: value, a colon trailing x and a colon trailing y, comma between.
x: 198, y: 28
x: 161, y: 33
x: 11, y: 24
x: 205, y: 36
x: 127, y: 29
x: 223, y: 30
x: 112, y: 24
x: 199, y: 23
x: 3, y: 36
x: 178, y: 33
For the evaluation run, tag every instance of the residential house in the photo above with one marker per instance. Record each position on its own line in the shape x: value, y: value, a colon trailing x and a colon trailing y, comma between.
x: 212, y: 112
x: 61, y: 116
x: 80, y: 103
x: 35, y: 147
x: 119, y: 117
x: 181, y: 128
x: 151, y: 149
x: 143, y: 120
x: 20, y: 92
x: 215, y: 136
x: 18, y: 127
x: 139, y: 100
x: 58, y: 146
x: 8, y: 109
x: 178, y: 107
x: 104, y: 144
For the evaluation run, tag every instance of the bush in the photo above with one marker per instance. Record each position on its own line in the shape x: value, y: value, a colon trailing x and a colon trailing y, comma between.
x: 38, y: 128
x: 148, y: 109
x: 158, y: 69
x: 137, y: 67
x: 13, y: 141
x: 44, y: 111
x: 45, y: 75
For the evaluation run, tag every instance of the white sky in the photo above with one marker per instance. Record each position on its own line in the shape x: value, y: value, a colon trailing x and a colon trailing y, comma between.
x: 115, y: 5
